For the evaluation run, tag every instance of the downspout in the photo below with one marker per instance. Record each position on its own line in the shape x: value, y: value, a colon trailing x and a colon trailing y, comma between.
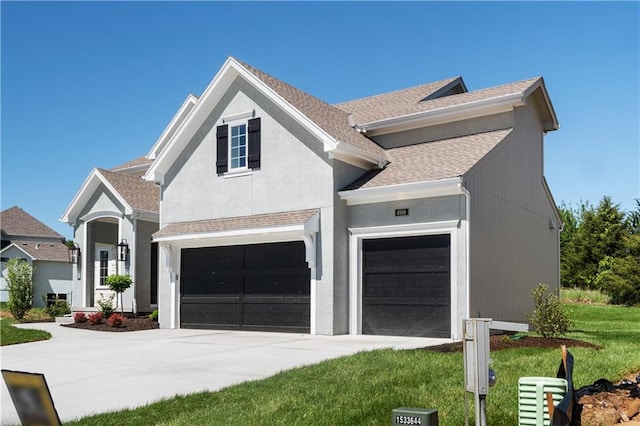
x: 560, y: 229
x: 467, y: 204
x: 132, y: 263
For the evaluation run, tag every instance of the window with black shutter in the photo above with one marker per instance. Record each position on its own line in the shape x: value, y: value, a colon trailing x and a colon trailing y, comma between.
x: 238, y: 146
x: 222, y: 138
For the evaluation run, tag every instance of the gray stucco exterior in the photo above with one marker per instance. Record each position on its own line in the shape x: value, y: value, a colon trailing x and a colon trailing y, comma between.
x: 476, y: 182
x: 103, y: 220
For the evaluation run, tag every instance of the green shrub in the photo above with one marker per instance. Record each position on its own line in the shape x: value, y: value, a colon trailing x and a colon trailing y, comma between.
x: 20, y: 287
x: 548, y: 318
x: 154, y: 315
x: 58, y: 308
x: 105, y: 304
x: 619, y: 277
x: 119, y: 283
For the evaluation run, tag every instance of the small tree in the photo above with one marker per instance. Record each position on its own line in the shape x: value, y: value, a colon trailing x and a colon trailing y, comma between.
x: 548, y: 317
x: 118, y: 284
x: 20, y: 287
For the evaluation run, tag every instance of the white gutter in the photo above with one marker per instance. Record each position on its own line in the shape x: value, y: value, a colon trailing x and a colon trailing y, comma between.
x: 445, y: 114
x: 405, y: 191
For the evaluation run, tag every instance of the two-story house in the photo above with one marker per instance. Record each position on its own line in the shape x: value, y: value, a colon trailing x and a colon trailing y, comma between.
x: 398, y: 214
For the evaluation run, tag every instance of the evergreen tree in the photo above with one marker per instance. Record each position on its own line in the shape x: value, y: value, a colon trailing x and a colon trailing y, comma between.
x: 600, y: 234
x: 633, y: 219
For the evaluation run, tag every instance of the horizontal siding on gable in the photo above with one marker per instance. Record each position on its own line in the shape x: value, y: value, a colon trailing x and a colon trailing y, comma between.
x: 512, y: 247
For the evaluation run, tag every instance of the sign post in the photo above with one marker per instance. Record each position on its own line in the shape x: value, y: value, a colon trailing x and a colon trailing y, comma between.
x: 31, y: 397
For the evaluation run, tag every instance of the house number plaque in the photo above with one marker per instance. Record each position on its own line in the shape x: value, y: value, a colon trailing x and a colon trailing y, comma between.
x: 402, y: 212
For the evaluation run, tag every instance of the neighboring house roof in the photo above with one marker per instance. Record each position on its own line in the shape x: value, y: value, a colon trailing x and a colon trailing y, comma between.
x: 134, y: 193
x: 259, y: 221
x: 331, y: 119
x: 431, y: 161
x: 44, y: 251
x: 15, y: 222
x: 136, y: 163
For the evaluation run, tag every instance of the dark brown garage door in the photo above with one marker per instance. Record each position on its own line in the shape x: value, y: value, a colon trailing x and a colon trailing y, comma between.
x: 253, y: 287
x: 406, y: 286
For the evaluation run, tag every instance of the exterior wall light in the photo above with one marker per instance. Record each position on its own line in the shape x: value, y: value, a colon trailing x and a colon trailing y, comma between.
x: 123, y: 250
x: 74, y: 254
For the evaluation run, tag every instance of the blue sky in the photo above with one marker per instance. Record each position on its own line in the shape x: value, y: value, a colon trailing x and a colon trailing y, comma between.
x: 91, y: 84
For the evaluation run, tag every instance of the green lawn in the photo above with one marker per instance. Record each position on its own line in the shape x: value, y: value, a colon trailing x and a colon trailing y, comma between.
x: 363, y: 389
x: 10, y: 335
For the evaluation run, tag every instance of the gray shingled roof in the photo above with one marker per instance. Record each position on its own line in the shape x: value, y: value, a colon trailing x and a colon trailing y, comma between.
x: 431, y: 161
x: 409, y: 101
x: 140, y: 161
x: 137, y: 192
x: 233, y: 223
x: 45, y: 250
x: 332, y: 120
x: 16, y: 222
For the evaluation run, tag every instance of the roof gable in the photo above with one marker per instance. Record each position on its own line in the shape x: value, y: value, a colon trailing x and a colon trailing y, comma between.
x: 329, y: 124
x: 132, y: 192
x: 177, y: 120
x: 16, y: 222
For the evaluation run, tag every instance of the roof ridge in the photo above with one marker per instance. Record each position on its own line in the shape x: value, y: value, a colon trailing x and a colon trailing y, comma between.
x: 511, y: 83
x: 392, y: 92
x: 331, y: 119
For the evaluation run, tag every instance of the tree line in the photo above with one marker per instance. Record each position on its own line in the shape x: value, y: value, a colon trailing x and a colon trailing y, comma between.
x: 600, y: 249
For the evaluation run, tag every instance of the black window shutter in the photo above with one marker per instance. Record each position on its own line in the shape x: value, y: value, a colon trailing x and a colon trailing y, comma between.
x: 222, y: 136
x: 254, y: 143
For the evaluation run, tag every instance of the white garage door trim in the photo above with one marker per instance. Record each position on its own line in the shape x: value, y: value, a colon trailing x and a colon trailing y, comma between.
x: 458, y: 259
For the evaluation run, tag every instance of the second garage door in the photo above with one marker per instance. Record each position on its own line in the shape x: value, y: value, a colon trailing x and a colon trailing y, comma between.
x: 407, y: 286
x: 252, y: 287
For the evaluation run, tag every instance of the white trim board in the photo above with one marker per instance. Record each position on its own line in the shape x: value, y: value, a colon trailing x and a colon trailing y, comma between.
x: 458, y: 282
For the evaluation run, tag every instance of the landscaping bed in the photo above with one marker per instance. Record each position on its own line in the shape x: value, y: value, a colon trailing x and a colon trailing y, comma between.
x: 500, y: 342
x: 130, y: 324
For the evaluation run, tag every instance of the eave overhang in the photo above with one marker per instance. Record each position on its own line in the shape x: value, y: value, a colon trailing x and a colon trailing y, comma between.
x: 405, y: 191
x: 304, y: 227
x: 88, y: 188
x: 443, y: 115
x: 180, y: 116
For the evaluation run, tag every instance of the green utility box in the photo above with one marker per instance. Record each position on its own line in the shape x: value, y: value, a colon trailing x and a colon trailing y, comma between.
x: 414, y: 416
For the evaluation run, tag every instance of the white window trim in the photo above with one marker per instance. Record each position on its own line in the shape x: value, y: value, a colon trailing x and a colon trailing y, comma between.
x: 357, y: 235
x: 237, y: 170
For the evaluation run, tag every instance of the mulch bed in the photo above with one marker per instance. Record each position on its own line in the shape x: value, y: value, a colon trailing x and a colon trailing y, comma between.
x: 131, y: 324
x: 500, y: 342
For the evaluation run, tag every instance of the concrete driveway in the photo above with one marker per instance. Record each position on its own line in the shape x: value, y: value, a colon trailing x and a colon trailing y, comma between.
x: 92, y: 372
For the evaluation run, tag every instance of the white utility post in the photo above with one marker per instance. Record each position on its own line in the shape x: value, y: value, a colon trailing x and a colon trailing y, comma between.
x: 477, y: 359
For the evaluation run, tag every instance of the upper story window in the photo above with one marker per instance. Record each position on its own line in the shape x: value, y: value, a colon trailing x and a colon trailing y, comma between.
x: 238, y: 146
x: 238, y: 152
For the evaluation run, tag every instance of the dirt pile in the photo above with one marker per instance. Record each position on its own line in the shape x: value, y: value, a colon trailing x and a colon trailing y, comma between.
x: 618, y: 406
